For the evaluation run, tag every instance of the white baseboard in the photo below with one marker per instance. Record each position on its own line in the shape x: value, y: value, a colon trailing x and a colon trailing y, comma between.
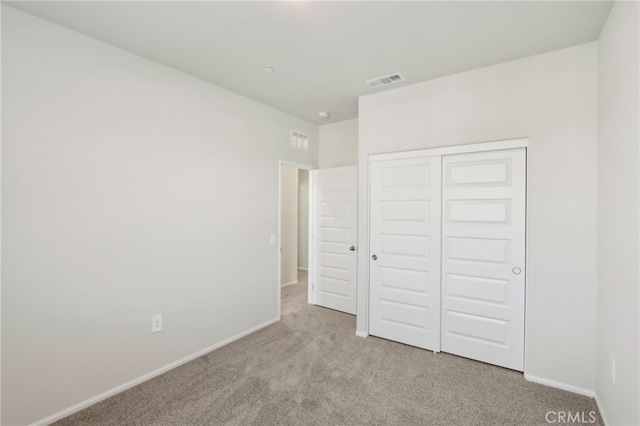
x: 362, y: 333
x: 290, y: 283
x: 602, y: 414
x: 560, y: 385
x: 303, y: 269
x: 131, y: 383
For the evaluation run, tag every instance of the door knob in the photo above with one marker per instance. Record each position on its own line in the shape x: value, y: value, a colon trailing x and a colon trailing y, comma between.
x: 516, y: 270
x: 374, y: 257
x: 352, y: 248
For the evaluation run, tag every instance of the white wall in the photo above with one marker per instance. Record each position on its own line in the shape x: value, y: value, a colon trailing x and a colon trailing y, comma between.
x: 128, y: 189
x: 338, y: 144
x: 551, y: 99
x: 618, y: 216
x: 1, y: 239
x: 303, y: 219
x: 289, y: 229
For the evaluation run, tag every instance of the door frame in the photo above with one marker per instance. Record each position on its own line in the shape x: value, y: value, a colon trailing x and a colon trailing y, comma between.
x: 439, y: 151
x: 309, y: 168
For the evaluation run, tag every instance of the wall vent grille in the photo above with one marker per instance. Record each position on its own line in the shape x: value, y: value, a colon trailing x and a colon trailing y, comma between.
x: 299, y: 140
x: 385, y: 80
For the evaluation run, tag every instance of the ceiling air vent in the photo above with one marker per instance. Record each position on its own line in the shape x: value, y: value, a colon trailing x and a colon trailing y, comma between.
x: 385, y: 81
x: 299, y: 140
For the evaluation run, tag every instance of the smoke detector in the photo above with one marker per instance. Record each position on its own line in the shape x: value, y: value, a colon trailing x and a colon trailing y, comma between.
x: 385, y: 80
x: 323, y: 114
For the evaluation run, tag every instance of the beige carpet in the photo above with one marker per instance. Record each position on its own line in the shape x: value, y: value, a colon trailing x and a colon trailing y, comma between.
x: 310, y: 369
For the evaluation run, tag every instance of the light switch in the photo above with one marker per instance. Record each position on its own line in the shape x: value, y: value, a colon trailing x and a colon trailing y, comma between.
x: 273, y: 239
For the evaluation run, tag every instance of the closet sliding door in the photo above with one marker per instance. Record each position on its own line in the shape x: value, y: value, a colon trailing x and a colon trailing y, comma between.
x: 404, y: 300
x: 483, y: 256
x: 447, y: 247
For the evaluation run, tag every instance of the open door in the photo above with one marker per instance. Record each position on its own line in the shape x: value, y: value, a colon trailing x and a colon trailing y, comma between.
x: 333, y: 275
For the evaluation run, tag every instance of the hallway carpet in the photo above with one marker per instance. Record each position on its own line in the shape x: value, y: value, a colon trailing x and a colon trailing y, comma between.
x: 311, y: 369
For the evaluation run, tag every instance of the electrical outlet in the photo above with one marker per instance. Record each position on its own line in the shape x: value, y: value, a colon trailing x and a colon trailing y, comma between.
x: 156, y: 323
x: 613, y: 370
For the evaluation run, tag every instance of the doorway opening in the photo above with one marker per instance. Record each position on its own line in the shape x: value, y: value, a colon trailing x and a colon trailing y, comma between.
x: 294, y: 231
x: 317, y: 235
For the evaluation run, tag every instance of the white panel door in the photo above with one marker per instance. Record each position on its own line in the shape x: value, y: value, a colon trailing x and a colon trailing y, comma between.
x: 483, y: 256
x: 334, y: 238
x: 404, y: 301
